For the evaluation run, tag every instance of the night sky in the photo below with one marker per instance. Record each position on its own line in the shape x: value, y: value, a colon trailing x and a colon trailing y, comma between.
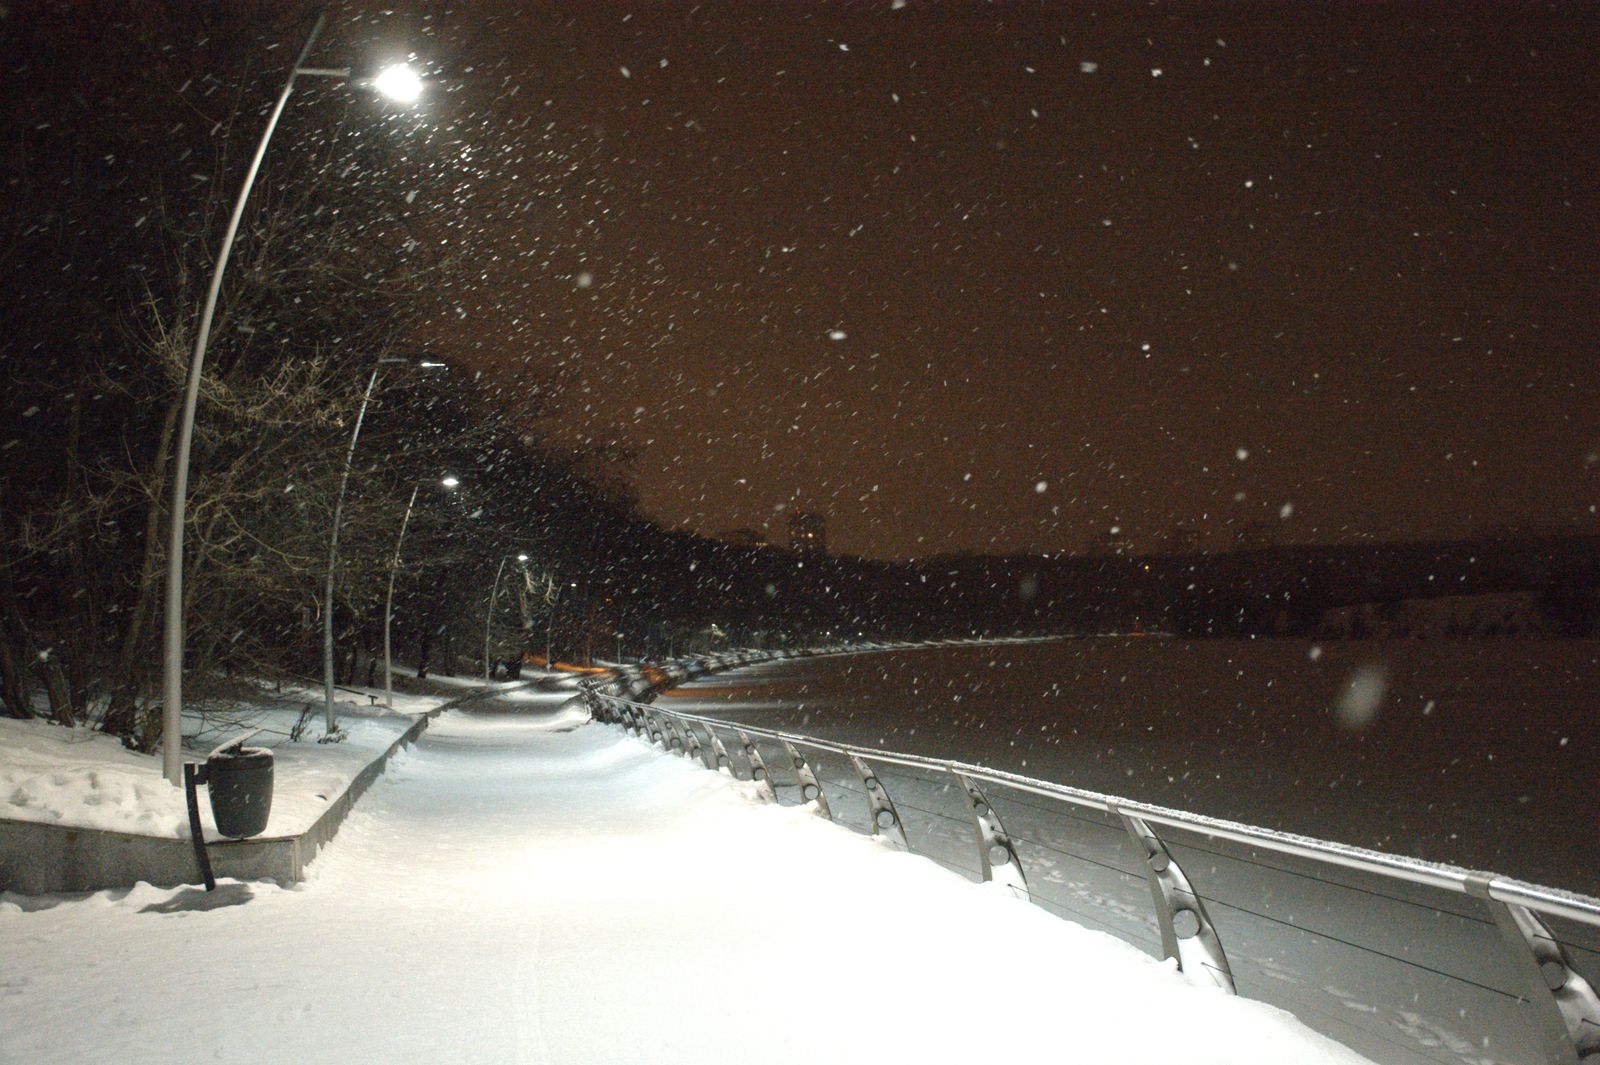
x: 1006, y: 277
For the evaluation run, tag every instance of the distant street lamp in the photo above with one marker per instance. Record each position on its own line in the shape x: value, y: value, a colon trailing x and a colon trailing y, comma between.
x: 488, y: 618
x: 172, y: 633
x: 388, y: 599
x: 331, y: 722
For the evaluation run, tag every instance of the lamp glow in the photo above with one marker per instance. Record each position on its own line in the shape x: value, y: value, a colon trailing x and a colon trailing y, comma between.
x: 399, y: 83
x: 450, y: 482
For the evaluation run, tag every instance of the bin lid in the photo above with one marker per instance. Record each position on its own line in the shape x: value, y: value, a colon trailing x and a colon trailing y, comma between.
x: 240, y: 758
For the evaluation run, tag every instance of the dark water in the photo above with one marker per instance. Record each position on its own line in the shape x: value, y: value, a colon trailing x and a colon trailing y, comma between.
x: 1478, y: 753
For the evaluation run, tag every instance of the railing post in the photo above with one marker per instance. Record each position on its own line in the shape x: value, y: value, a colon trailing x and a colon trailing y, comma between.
x: 996, y: 855
x: 658, y: 730
x: 810, y: 789
x: 885, y: 818
x: 1187, y: 933
x: 721, y: 759
x: 675, y: 737
x: 758, y: 766
x: 695, y: 749
x: 1565, y: 1007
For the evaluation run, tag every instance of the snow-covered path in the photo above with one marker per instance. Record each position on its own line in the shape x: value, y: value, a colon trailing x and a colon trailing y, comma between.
x: 509, y: 892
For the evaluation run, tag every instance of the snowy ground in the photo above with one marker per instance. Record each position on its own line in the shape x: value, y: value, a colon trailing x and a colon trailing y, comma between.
x: 89, y: 780
x: 512, y: 893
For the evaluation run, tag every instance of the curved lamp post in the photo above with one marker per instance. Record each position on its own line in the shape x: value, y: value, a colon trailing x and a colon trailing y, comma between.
x: 333, y: 541
x: 403, y: 87
x: 488, y: 618
x: 388, y: 599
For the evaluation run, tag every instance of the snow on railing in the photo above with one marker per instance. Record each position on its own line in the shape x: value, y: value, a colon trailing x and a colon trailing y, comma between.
x: 1541, y: 992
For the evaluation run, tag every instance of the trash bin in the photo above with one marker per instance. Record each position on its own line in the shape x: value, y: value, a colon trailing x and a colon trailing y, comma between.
x: 240, y: 782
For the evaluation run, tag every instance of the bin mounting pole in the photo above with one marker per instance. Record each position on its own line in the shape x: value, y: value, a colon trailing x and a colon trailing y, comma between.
x: 192, y: 778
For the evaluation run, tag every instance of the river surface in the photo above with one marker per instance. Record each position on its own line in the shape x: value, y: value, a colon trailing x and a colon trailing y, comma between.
x: 1480, y: 753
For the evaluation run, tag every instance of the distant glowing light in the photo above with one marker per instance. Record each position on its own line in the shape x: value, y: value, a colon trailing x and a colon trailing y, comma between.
x: 1362, y: 697
x: 399, y: 83
x: 450, y: 482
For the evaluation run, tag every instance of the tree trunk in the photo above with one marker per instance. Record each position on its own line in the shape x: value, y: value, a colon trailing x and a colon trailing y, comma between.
x: 62, y: 711
x: 76, y: 649
x: 352, y: 663
x: 122, y: 716
x: 13, y: 642
x: 13, y: 693
x: 16, y: 647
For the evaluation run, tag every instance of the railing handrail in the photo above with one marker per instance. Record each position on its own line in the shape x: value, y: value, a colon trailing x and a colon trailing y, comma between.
x: 1547, y: 900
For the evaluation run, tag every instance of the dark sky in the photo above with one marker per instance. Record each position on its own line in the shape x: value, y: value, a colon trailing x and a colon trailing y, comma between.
x: 1004, y: 277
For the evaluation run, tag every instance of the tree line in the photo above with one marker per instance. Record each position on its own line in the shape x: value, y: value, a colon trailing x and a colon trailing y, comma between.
x: 127, y: 130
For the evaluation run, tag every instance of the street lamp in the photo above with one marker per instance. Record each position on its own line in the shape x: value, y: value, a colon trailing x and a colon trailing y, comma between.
x: 172, y: 632
x: 399, y: 83
x: 388, y: 599
x: 488, y: 618
x: 333, y: 544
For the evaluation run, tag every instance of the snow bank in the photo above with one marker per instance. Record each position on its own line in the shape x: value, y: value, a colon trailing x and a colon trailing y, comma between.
x: 86, y: 779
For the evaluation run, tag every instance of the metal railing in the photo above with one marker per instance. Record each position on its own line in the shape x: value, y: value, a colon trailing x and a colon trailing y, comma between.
x: 1554, y: 1003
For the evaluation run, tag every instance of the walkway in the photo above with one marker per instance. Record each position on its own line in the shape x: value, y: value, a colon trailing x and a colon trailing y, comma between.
x: 510, y: 892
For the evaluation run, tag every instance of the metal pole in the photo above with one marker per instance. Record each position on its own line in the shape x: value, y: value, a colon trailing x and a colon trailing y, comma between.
x: 172, y: 631
x: 388, y: 602
x: 333, y: 558
x: 488, y: 618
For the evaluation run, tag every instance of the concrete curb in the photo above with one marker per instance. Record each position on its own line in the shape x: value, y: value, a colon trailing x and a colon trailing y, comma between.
x: 38, y: 858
